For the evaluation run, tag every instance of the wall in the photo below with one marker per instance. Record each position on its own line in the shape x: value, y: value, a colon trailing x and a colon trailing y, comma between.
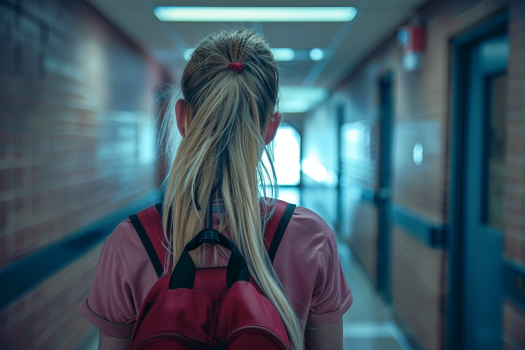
x: 514, y: 204
x: 422, y: 114
x: 77, y: 142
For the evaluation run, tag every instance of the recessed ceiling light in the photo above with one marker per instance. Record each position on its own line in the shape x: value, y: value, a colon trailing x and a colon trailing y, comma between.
x: 254, y: 14
x: 283, y: 54
x: 316, y: 54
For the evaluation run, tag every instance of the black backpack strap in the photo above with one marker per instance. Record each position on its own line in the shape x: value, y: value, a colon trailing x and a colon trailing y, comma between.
x: 158, y: 206
x: 279, y: 232
x: 148, y: 245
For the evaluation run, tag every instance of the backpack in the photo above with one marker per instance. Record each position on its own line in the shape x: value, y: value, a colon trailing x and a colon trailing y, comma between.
x: 207, y: 308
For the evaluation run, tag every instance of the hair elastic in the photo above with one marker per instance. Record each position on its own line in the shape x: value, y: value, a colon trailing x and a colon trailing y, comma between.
x: 238, y: 67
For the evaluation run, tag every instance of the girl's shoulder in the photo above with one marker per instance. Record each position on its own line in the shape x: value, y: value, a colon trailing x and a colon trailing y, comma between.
x: 308, y: 225
x: 124, y: 237
x: 304, y: 216
x: 305, y: 236
x: 131, y: 252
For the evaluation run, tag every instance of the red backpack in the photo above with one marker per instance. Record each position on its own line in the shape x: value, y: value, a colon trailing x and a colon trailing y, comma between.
x: 208, y: 308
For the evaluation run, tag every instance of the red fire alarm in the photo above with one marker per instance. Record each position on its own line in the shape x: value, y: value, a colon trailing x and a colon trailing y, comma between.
x: 412, y: 38
x: 416, y: 38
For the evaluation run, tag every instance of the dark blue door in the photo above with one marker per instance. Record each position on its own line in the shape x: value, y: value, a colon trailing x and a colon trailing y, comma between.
x: 482, y: 192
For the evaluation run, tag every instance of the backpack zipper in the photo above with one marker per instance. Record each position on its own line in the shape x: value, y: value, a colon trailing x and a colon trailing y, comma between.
x: 222, y: 346
x: 178, y: 337
x: 258, y: 329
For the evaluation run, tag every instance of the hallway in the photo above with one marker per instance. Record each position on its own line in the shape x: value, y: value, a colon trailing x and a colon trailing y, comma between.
x: 402, y: 125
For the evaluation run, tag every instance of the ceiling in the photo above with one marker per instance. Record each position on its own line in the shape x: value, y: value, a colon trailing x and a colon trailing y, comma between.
x: 345, y: 43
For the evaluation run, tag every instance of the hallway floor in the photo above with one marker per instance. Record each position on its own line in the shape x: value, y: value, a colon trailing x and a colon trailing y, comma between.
x: 368, y: 325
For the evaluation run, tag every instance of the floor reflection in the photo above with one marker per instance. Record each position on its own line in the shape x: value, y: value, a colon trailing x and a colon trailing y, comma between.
x: 368, y: 325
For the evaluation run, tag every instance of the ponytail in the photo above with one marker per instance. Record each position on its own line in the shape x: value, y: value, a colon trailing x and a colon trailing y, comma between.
x: 221, y: 152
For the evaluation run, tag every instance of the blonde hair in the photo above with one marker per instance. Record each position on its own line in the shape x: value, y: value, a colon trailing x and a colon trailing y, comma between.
x: 222, y: 151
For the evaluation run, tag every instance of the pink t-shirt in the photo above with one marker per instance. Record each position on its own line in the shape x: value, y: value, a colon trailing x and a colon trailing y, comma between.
x: 306, y: 263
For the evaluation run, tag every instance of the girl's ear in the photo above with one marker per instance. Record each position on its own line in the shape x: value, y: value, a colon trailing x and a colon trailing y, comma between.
x: 180, y: 112
x: 275, y: 120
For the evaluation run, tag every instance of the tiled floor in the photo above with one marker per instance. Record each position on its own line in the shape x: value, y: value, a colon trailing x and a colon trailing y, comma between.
x: 91, y: 341
x: 368, y: 324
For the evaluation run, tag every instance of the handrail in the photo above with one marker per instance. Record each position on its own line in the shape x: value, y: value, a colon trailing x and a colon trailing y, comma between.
x: 432, y: 234
x: 514, y: 283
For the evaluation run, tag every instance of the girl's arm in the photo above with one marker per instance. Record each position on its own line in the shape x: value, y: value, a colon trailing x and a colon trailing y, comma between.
x: 109, y: 343
x: 326, y: 336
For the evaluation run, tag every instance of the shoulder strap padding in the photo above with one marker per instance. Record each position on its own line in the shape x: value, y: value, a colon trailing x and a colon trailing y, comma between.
x: 276, y: 226
x: 148, y: 224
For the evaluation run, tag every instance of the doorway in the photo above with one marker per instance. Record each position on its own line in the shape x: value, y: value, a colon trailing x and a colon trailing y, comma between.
x: 476, y: 237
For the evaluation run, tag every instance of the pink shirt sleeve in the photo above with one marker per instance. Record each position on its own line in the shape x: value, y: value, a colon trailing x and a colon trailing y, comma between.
x: 109, y: 305
x: 331, y: 296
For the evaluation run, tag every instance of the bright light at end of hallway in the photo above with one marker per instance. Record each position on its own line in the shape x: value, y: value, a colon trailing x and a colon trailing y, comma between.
x: 315, y: 170
x: 254, y: 14
x: 319, y: 173
x: 287, y: 156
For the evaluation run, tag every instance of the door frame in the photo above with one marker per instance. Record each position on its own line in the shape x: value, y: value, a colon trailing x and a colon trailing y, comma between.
x: 382, y: 196
x: 461, y: 47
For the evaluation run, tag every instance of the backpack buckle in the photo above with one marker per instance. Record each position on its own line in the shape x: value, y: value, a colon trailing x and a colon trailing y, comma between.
x: 209, y: 236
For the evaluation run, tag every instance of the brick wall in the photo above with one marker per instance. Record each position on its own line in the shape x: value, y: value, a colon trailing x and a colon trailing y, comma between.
x: 77, y: 141
x: 515, y: 195
x: 514, y: 206
x: 417, y: 288
x: 46, y: 317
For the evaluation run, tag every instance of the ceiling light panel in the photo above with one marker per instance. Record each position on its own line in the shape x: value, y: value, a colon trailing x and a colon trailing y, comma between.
x: 283, y: 54
x: 300, y: 99
x: 254, y: 14
x: 316, y: 54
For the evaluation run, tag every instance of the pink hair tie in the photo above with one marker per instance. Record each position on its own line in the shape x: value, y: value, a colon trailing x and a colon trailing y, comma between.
x: 238, y: 67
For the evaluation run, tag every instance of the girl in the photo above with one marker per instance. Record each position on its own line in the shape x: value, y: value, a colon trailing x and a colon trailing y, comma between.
x: 230, y: 90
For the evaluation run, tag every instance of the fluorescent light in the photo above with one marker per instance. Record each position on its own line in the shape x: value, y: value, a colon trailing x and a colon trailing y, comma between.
x: 316, y: 54
x: 294, y: 106
x: 306, y: 93
x: 300, y: 99
x: 254, y: 14
x: 187, y: 54
x: 283, y: 54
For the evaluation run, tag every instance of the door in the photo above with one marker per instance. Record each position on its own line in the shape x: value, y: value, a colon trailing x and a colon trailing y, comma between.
x: 476, y: 238
x: 484, y: 171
